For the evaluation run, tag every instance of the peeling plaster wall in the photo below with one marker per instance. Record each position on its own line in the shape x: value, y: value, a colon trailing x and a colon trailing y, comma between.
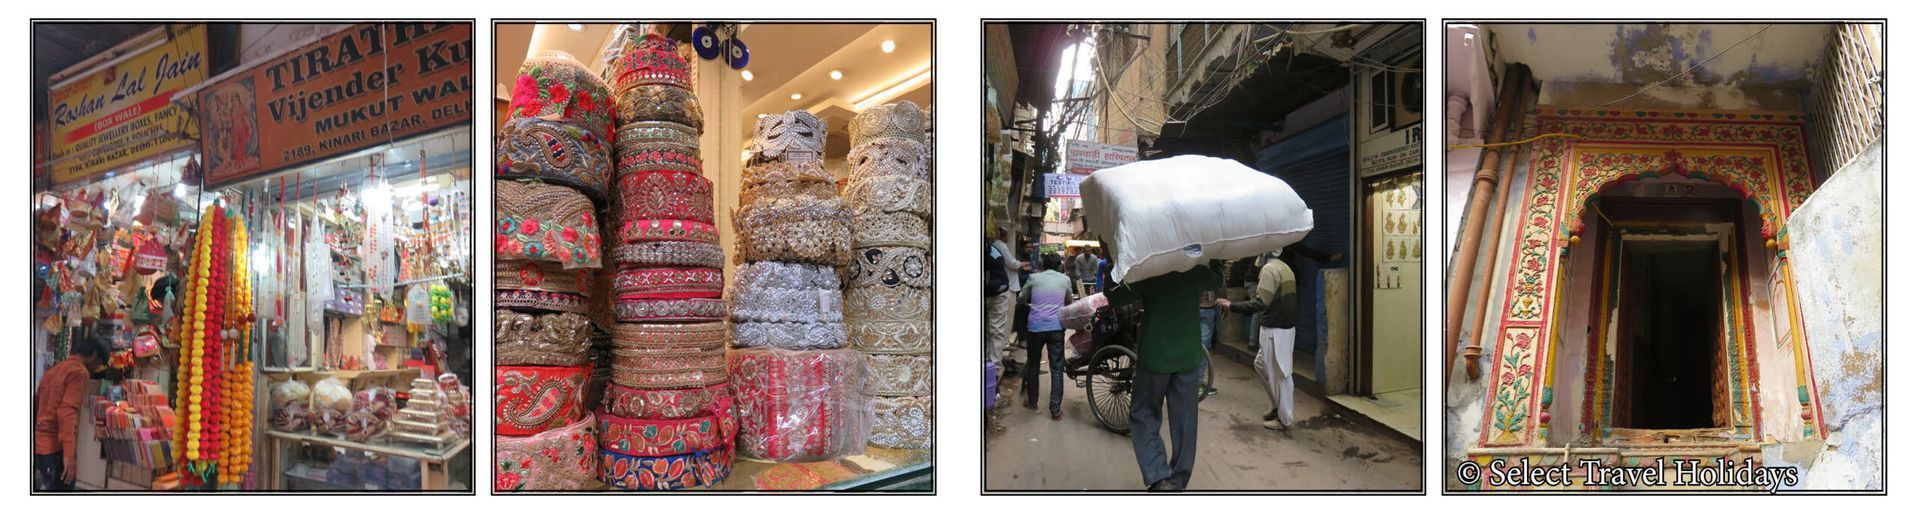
x: 1836, y: 240
x: 1591, y: 65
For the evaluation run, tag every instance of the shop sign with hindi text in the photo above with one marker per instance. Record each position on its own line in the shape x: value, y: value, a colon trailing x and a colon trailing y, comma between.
x: 360, y: 87
x: 122, y: 113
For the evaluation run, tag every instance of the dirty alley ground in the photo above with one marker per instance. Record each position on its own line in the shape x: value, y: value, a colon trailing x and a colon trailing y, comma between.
x: 1324, y: 450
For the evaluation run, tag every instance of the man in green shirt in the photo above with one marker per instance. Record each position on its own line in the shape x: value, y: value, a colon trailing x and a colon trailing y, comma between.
x: 1169, y: 371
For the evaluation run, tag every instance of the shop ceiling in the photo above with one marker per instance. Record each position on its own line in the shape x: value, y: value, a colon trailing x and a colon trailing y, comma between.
x: 1749, y: 65
x: 58, y: 46
x: 787, y: 58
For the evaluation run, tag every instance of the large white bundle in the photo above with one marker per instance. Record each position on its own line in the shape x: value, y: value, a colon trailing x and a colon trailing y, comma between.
x: 1169, y: 215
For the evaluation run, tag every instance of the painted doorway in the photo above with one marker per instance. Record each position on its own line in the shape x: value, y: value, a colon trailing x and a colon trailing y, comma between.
x: 1389, y: 356
x: 1669, y: 334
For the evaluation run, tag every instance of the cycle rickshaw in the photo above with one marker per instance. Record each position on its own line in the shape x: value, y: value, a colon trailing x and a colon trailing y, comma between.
x: 1104, y: 365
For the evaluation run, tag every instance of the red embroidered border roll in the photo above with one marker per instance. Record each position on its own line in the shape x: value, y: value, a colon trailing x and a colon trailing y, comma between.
x: 800, y: 405
x: 554, y: 86
x: 562, y: 459
x: 662, y: 438
x: 644, y: 310
x: 628, y: 402
x: 545, y: 222
x: 686, y: 471
x: 652, y: 60
x: 665, y: 194
x: 668, y: 283
x: 642, y: 157
x: 533, y: 399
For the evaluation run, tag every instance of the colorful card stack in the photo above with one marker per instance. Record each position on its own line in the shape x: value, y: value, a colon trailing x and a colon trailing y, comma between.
x: 666, y: 421
x: 801, y: 394
x: 889, y: 285
x: 553, y: 164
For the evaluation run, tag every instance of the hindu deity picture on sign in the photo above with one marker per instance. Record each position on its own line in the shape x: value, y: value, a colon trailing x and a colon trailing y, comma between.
x: 1668, y: 272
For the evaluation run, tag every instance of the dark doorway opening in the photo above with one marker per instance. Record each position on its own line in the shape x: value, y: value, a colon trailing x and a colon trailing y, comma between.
x: 1670, y: 343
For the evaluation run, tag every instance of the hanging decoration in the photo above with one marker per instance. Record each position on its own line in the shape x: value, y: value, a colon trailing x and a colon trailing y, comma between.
x: 214, y: 407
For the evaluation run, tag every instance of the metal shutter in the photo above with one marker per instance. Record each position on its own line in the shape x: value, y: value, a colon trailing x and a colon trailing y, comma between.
x: 1316, y: 164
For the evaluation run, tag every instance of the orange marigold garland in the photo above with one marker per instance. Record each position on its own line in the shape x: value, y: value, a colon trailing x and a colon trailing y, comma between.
x: 215, y: 427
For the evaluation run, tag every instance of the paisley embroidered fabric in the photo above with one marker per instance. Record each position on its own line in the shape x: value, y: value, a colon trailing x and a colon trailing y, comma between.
x: 534, y: 399
x: 686, y: 471
x: 544, y: 222
x: 660, y: 102
x: 540, y: 300
x: 555, y: 152
x: 902, y: 422
x: 807, y: 230
x: 668, y: 283
x: 789, y: 335
x: 522, y: 339
x: 669, y: 253
x: 663, y: 404
x: 670, y: 336
x: 890, y: 266
x: 642, y: 310
x: 553, y: 86
x: 562, y: 459
x: 888, y: 157
x: 778, y: 136
x: 665, y: 194
x: 903, y: 120
x: 890, y: 229
x: 661, y: 438
x: 537, y: 276
x: 643, y: 230
x: 800, y: 405
x: 890, y: 337
x: 902, y: 375
x: 891, y: 193
x: 888, y: 304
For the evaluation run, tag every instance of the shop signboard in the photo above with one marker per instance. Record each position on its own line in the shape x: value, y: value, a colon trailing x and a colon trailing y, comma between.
x: 123, y: 112
x: 1063, y: 185
x: 1390, y: 151
x: 360, y: 87
x: 1086, y: 157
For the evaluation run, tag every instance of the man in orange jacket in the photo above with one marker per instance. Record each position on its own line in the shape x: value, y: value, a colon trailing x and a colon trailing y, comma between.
x: 56, y: 417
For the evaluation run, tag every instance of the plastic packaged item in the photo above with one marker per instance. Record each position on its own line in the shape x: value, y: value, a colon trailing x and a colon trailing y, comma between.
x: 1169, y: 215
x: 1079, y: 314
x: 289, y: 404
x: 331, y: 403
x: 801, y: 405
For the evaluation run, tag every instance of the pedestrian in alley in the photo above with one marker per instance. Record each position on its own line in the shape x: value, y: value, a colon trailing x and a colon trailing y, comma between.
x: 1086, y: 270
x: 56, y: 413
x: 1167, y: 373
x: 1209, y: 324
x: 1003, y: 283
x: 1045, y: 293
x: 1276, y: 301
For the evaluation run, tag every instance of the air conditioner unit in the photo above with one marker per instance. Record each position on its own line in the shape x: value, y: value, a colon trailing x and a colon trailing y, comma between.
x: 1408, y: 96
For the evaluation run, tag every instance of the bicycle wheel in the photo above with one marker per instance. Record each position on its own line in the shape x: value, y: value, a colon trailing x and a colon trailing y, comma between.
x: 1110, y: 387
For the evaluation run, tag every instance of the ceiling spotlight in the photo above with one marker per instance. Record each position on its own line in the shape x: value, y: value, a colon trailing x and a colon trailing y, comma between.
x: 886, y: 46
x: 576, y: 27
x: 795, y: 96
x: 835, y: 74
x: 747, y: 74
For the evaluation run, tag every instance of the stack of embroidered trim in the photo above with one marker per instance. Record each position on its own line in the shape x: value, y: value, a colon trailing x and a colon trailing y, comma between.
x: 666, y: 421
x: 889, y: 283
x: 800, y: 393
x: 552, y: 164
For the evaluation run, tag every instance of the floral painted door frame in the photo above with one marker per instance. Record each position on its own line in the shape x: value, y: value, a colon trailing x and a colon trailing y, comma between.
x: 1760, y: 154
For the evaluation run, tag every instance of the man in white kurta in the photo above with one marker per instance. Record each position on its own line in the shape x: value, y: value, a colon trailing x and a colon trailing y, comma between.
x: 1276, y: 302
